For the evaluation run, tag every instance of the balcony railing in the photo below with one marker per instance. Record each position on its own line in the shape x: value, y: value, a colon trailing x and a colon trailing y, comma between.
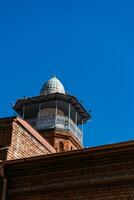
x: 57, y: 121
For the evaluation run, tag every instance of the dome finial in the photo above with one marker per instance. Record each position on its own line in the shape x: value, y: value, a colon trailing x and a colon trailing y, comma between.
x: 54, y: 76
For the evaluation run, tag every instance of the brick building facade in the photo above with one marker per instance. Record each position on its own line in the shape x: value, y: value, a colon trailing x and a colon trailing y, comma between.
x: 42, y: 155
x: 100, y: 173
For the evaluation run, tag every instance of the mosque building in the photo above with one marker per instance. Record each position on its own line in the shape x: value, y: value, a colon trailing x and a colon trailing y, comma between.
x: 42, y: 156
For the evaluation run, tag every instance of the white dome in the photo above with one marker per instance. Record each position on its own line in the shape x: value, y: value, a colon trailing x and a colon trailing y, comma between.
x: 53, y: 85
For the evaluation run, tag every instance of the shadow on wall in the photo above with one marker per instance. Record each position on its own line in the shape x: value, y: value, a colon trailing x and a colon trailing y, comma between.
x: 5, y: 139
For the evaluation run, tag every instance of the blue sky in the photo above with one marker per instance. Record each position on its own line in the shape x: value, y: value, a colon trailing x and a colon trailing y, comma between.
x: 89, y: 45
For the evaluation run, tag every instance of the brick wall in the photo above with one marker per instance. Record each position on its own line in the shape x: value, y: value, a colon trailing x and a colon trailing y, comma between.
x: 67, y: 144
x: 96, y: 174
x: 56, y: 136
x: 17, y: 142
x: 24, y: 144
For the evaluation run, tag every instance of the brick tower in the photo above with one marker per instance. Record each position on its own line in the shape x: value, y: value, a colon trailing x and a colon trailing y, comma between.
x: 57, y: 116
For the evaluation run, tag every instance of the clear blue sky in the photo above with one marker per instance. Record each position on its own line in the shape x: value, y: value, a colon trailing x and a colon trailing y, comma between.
x: 89, y: 45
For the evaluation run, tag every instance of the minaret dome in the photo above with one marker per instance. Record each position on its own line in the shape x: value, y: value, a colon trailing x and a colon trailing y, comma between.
x: 53, y: 85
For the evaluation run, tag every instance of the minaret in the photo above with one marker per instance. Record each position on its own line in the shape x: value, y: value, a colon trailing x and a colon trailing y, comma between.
x: 57, y: 116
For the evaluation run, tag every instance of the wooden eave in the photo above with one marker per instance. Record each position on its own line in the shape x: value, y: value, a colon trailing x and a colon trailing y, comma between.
x: 56, y: 96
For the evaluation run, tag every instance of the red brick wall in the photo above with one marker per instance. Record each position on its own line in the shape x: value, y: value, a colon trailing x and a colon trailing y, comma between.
x: 78, y: 175
x: 67, y: 144
x: 24, y: 144
x: 16, y: 142
x: 55, y: 136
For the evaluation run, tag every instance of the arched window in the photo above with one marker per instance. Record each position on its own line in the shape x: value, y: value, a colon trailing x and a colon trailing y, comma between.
x: 61, y: 146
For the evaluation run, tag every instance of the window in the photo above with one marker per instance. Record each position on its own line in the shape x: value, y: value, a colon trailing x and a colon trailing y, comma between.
x: 61, y: 146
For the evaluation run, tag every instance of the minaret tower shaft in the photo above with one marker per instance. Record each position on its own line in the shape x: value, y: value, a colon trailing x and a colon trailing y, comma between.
x: 58, y: 116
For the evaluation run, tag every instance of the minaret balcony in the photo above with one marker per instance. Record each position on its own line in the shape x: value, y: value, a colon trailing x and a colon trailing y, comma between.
x: 49, y: 121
